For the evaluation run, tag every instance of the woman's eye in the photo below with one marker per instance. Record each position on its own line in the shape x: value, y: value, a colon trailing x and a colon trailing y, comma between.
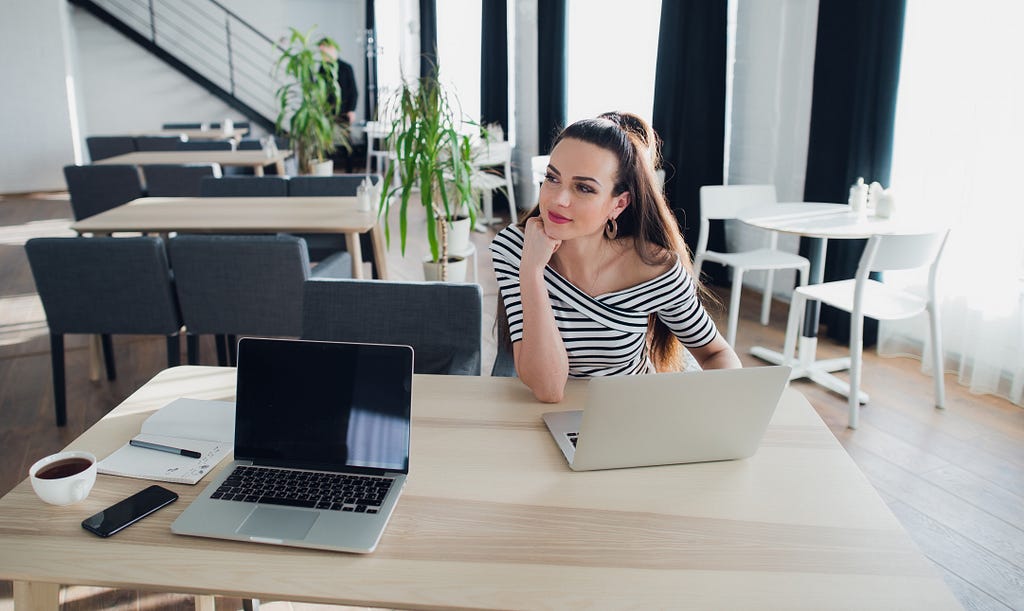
x: 585, y: 188
x: 550, y: 178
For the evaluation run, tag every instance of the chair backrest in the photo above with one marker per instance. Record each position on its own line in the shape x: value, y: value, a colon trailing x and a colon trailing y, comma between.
x: 105, y: 285
x: 314, y: 186
x: 95, y: 188
x: 182, y: 126
x: 899, y: 252
x: 441, y: 321
x: 539, y: 167
x: 244, y: 186
x: 172, y: 180
x: 240, y: 284
x: 102, y: 147
x: 727, y: 201
x: 205, y: 145
x: 157, y: 143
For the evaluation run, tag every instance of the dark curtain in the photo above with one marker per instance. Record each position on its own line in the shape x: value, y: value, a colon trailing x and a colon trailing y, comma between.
x: 689, y: 110
x: 551, y: 71
x: 494, y: 63
x: 370, y: 107
x: 853, y: 111
x: 428, y: 37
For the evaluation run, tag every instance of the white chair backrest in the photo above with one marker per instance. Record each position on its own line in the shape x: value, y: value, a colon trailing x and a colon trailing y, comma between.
x: 727, y: 201
x: 539, y: 167
x: 899, y: 252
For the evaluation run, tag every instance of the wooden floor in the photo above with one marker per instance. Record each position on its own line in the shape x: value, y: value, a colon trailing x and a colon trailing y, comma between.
x: 954, y: 478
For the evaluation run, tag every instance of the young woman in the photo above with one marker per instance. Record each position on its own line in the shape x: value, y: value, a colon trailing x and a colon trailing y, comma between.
x: 596, y: 279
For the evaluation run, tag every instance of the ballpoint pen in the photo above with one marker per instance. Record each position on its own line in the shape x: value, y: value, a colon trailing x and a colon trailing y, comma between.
x: 162, y: 448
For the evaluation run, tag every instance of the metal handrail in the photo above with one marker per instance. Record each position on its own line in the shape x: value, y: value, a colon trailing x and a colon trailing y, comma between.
x: 213, y: 40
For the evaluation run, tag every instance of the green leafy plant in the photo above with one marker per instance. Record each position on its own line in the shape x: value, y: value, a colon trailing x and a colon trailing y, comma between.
x: 310, y: 101
x: 433, y: 155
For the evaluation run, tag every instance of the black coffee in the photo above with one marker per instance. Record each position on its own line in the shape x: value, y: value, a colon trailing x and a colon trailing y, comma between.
x: 64, y: 468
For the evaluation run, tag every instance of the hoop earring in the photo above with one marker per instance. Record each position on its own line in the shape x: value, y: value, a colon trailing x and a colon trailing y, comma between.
x: 611, y: 229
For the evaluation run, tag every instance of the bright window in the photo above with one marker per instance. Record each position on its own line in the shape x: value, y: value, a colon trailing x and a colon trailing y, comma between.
x: 612, y: 56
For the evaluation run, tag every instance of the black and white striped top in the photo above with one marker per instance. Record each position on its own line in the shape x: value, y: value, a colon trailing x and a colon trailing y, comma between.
x: 605, y: 335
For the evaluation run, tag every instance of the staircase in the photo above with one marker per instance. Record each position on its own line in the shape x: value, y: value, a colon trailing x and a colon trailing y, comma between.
x: 206, y: 42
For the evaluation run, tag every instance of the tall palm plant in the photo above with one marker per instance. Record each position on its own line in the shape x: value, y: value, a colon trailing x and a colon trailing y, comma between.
x: 310, y: 101
x: 431, y: 154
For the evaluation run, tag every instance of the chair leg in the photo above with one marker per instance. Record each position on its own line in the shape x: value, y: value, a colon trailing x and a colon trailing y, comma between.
x: 232, y: 350
x: 734, y: 306
x: 57, y: 363
x: 856, y: 354
x: 108, y: 356
x: 937, y: 359
x: 766, y: 298
x: 174, y: 350
x: 251, y: 604
x: 511, y: 194
x: 793, y: 327
x: 192, y: 348
x: 222, y: 349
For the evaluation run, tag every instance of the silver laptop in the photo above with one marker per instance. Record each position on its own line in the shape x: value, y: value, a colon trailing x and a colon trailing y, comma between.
x: 321, y: 446
x: 669, y: 418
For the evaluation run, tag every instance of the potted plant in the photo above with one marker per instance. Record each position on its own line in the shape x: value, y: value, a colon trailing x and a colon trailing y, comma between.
x: 310, y: 101
x: 433, y: 155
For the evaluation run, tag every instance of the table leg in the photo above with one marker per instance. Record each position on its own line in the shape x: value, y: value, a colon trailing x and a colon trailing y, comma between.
x: 355, y: 249
x: 95, y: 357
x: 205, y: 602
x: 806, y: 366
x: 258, y: 170
x: 380, y: 253
x: 36, y: 596
x: 280, y: 167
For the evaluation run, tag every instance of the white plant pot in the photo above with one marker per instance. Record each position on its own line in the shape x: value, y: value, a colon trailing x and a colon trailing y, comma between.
x: 456, y: 270
x: 324, y: 168
x: 458, y: 235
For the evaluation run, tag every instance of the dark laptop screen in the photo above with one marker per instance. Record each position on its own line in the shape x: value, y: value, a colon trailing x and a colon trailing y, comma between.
x: 323, y: 405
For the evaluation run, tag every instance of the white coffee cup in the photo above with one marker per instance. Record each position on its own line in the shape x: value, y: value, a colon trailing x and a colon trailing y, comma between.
x: 64, y: 480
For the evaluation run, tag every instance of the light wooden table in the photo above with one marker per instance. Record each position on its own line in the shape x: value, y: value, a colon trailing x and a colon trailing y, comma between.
x: 247, y: 215
x: 492, y: 517
x: 256, y: 160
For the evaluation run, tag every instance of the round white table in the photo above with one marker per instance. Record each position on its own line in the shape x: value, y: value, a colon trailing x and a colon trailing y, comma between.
x: 820, y: 222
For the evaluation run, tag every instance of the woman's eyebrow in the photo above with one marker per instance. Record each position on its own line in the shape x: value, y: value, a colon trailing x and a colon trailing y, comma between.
x: 554, y: 170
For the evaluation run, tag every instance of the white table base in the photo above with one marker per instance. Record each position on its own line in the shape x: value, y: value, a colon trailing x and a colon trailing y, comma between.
x: 818, y: 371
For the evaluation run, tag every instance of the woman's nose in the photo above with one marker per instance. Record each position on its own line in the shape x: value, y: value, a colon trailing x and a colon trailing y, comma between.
x: 558, y: 195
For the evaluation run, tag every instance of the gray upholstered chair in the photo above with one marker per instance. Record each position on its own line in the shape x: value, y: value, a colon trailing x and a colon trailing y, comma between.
x: 325, y: 244
x: 244, y: 186
x: 206, y: 145
x: 177, y: 180
x: 231, y: 285
x: 103, y: 286
x: 102, y: 147
x: 440, y: 320
x: 95, y: 188
x: 157, y: 143
x: 504, y: 364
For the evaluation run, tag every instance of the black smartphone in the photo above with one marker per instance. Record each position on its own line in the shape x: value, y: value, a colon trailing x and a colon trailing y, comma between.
x: 129, y: 511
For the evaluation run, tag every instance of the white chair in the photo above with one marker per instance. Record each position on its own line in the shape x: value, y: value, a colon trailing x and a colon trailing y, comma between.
x: 865, y: 297
x: 539, y: 167
x: 726, y: 202
x: 493, y: 155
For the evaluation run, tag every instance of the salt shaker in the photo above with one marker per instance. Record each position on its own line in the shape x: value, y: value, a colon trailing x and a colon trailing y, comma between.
x: 363, y: 195
x: 886, y: 205
x: 874, y: 194
x: 859, y: 197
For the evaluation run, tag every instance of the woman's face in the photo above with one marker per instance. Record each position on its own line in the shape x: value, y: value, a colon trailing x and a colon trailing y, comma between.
x: 576, y: 196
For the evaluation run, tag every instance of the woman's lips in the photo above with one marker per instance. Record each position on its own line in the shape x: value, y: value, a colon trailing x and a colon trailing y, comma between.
x: 557, y: 218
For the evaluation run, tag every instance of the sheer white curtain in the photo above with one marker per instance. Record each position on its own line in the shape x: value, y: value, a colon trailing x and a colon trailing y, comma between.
x: 959, y: 153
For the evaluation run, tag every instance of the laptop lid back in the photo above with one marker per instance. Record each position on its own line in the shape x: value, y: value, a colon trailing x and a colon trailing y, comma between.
x: 669, y: 418
x: 329, y: 406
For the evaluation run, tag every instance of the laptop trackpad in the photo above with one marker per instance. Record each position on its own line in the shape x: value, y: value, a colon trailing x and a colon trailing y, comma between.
x: 273, y: 523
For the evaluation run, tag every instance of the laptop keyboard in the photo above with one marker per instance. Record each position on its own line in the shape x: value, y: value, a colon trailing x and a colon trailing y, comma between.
x: 312, y: 489
x: 572, y: 438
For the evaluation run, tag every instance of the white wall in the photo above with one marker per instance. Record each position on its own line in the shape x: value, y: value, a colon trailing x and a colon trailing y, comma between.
x: 771, y: 110
x: 34, y: 118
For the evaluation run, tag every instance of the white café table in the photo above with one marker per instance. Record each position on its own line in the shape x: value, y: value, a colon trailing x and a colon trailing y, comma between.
x: 256, y: 160
x: 820, y: 222
x: 493, y: 518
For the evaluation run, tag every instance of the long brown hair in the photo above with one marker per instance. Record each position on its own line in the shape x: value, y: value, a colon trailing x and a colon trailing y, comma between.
x: 647, y: 219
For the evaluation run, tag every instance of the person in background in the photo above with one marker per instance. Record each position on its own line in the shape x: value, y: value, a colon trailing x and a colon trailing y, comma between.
x: 596, y: 280
x: 349, y: 94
